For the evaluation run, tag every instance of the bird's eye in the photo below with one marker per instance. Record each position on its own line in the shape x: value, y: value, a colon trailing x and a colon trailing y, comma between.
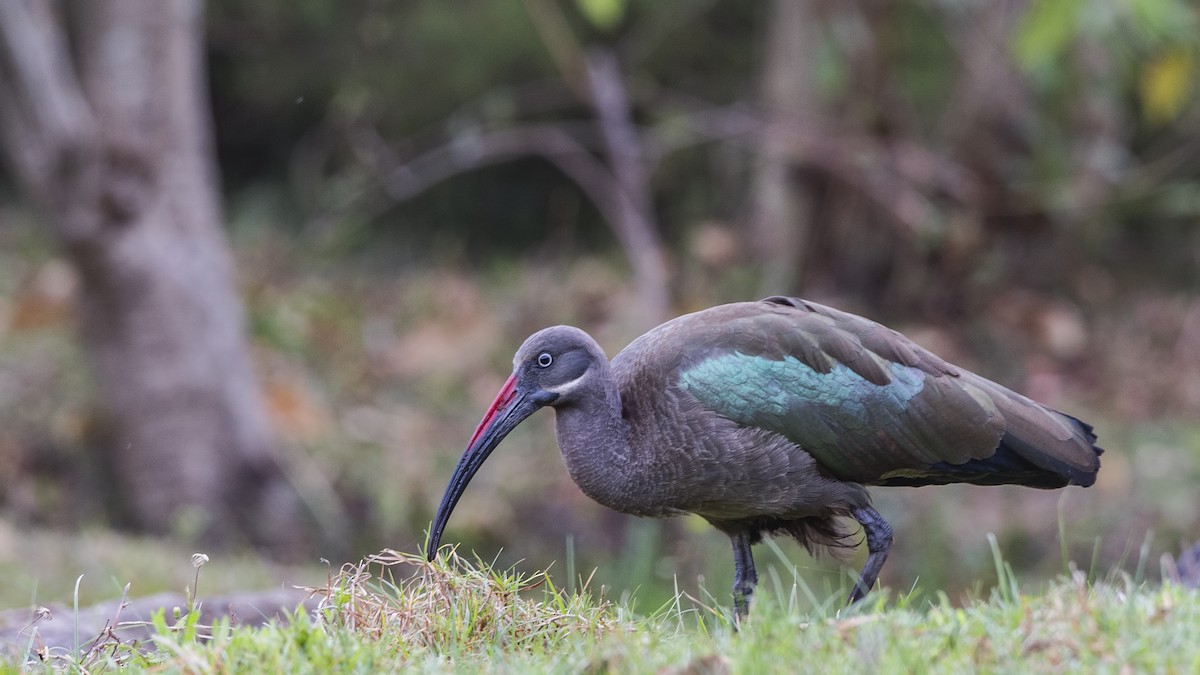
x: 544, y: 359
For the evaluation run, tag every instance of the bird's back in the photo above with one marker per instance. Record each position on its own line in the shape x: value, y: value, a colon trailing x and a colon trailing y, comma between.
x: 868, y: 404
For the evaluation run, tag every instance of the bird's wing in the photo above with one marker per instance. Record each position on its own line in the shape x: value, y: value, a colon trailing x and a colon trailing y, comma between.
x: 869, y: 404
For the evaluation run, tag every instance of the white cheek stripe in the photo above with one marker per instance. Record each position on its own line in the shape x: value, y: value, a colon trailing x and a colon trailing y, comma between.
x: 566, y: 386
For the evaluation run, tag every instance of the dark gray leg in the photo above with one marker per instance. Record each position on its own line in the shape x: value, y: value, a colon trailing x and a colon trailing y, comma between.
x: 745, y: 578
x: 879, y: 540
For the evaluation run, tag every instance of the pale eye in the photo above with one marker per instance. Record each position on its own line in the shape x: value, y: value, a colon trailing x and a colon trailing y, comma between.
x: 544, y: 359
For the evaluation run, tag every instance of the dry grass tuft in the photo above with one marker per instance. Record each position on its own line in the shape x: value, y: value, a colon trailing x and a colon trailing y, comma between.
x: 454, y: 605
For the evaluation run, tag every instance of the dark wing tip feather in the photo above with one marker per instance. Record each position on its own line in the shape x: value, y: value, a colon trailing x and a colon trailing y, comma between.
x: 1088, y: 432
x: 1010, y: 464
x: 1066, y: 473
x: 1005, y: 467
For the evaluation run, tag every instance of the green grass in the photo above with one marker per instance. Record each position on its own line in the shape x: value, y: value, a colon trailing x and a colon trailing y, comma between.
x: 394, y: 611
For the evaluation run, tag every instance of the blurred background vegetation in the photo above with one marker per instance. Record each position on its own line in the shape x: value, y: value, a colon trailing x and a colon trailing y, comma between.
x: 411, y: 187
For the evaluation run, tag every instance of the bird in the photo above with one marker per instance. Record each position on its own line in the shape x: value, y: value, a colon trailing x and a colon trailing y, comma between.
x: 772, y: 418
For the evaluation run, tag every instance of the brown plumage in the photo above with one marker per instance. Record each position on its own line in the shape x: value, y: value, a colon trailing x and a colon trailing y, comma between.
x: 773, y: 417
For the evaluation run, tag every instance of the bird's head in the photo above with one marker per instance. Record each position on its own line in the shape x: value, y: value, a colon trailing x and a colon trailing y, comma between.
x: 552, y: 368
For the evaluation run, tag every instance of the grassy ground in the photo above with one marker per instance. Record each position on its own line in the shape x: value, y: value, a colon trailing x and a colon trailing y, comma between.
x: 394, y: 611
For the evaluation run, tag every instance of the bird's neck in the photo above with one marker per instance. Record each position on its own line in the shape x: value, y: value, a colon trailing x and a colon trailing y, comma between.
x: 594, y: 440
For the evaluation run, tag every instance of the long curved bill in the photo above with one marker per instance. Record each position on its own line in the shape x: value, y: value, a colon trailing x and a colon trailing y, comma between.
x: 510, y: 408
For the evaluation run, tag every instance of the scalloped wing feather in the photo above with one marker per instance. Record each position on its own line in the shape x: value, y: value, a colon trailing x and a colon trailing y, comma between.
x: 869, y: 404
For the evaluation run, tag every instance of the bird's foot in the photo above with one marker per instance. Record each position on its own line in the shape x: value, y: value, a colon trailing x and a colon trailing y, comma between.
x: 741, y: 609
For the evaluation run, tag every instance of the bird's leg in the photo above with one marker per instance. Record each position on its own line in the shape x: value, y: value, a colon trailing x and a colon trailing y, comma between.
x: 879, y: 540
x: 745, y: 578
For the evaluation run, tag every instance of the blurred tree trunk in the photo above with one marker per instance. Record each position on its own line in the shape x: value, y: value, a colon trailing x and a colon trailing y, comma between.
x: 594, y: 74
x: 117, y: 149
x: 635, y: 225
x: 782, y: 218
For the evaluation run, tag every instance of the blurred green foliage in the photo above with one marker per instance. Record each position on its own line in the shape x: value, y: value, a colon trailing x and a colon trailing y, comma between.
x: 1085, y: 154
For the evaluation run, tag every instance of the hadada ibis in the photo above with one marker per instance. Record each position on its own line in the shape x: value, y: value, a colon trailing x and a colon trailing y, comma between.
x: 773, y: 417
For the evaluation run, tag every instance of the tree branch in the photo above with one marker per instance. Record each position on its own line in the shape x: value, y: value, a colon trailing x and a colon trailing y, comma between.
x: 402, y: 181
x: 635, y: 224
x: 621, y: 192
x: 782, y: 222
